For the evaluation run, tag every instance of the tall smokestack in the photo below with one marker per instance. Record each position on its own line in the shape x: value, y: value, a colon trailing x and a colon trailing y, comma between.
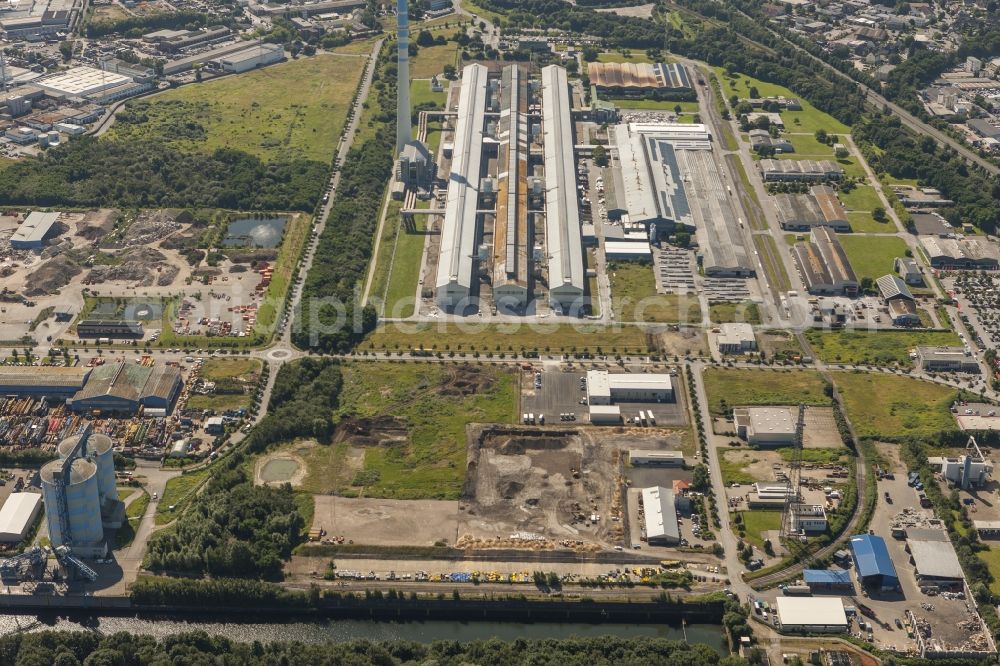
x: 403, y: 76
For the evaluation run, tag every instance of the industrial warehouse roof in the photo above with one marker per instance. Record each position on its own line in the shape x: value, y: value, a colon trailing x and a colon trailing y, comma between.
x: 933, y: 555
x: 797, y: 210
x: 660, y: 513
x: 811, y: 168
x: 638, y: 75
x: 17, y: 513
x: 563, y: 238
x: 871, y: 556
x: 669, y: 175
x: 458, y: 231
x: 13, y: 378
x: 820, y: 207
x: 828, y: 202
x: 824, y: 262
x: 651, y: 175
x: 955, y: 250
x: 82, y: 81
x: 602, y: 383
x: 653, y: 454
x: 252, y: 52
x: 811, y: 612
x: 834, y: 255
x: 892, y: 286
x: 510, y: 231
x: 130, y: 381
x: 826, y: 576
x: 34, y: 228
x: 772, y: 420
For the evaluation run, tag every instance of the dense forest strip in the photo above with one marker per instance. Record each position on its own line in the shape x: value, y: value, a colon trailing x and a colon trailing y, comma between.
x: 330, y: 317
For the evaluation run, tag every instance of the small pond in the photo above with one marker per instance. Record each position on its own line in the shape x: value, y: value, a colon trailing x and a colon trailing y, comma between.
x: 255, y: 232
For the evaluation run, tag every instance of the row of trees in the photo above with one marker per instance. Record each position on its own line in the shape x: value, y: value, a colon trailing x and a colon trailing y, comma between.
x: 331, y: 318
x: 52, y: 648
x: 239, y: 529
x: 890, y: 149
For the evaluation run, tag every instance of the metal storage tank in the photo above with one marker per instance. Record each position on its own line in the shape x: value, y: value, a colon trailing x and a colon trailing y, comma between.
x: 82, y: 509
x: 100, y: 448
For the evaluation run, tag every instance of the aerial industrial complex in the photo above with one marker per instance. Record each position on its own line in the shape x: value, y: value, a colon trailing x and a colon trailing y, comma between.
x: 607, y: 347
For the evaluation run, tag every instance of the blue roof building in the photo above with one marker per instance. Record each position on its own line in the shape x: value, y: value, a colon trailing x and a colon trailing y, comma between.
x: 828, y: 579
x: 874, y: 565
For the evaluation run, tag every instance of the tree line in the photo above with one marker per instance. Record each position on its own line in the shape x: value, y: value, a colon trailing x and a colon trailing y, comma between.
x: 330, y: 317
x: 238, y: 529
x: 89, y: 171
x: 890, y: 149
x: 76, y: 648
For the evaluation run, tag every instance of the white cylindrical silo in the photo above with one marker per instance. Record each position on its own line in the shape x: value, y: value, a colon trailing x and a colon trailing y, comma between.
x: 82, y: 511
x: 101, y: 449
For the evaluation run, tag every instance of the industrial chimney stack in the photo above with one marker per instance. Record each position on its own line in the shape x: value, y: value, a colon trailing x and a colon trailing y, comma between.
x: 403, y: 76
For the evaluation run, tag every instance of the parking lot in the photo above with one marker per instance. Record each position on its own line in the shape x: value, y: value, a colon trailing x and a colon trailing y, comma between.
x: 561, y: 392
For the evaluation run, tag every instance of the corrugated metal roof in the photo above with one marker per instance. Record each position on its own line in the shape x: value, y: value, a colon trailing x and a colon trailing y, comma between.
x: 31, y: 377
x: 562, y: 212
x: 871, y: 556
x: 458, y: 231
x: 891, y: 286
x: 827, y: 576
x: 34, y: 228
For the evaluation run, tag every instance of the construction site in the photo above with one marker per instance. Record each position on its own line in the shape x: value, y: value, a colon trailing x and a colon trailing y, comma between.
x: 558, y: 488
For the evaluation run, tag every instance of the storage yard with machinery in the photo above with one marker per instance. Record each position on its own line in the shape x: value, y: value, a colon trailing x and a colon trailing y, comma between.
x: 162, y: 276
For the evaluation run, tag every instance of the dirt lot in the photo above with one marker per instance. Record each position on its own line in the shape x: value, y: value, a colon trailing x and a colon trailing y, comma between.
x: 544, y: 486
x: 820, y: 430
x: 387, y: 522
x: 680, y: 343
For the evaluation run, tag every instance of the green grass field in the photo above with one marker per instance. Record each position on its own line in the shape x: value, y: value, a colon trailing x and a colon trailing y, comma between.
x: 757, y: 522
x: 178, y: 492
x: 851, y: 165
x: 291, y: 110
x: 383, y: 250
x: 874, y: 347
x: 861, y: 197
x: 807, y: 145
x: 627, y: 56
x: 816, y: 456
x: 505, y: 338
x: 872, y: 256
x: 222, y: 369
x: 292, y: 244
x: 904, y: 406
x: 730, y: 387
x: 430, y: 60
x: 734, y: 463
x: 745, y: 312
x: 421, y: 93
x: 862, y: 222
x: 634, y: 297
x: 773, y: 265
x: 656, y: 105
x: 435, y: 403
x: 992, y: 559
x: 357, y: 48
x: 808, y: 120
x: 217, y: 369
x: 405, y: 270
